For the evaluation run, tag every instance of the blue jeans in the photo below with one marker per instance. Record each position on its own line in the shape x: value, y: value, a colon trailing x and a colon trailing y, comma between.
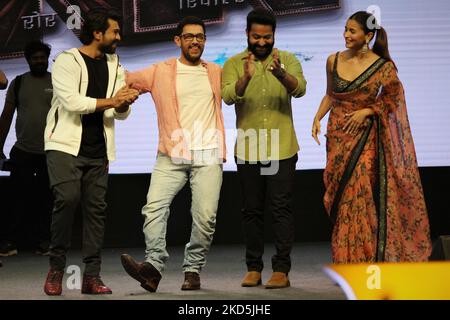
x: 168, y: 178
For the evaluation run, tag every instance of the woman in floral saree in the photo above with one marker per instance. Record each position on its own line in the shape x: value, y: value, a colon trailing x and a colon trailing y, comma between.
x: 373, y: 191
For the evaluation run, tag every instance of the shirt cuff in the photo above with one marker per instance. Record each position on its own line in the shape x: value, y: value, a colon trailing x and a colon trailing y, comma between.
x: 300, y: 90
x: 92, y: 105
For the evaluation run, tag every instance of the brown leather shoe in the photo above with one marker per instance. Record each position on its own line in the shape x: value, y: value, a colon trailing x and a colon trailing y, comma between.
x: 191, y: 281
x: 94, y: 285
x: 278, y: 280
x: 251, y: 279
x: 53, y: 283
x: 144, y: 273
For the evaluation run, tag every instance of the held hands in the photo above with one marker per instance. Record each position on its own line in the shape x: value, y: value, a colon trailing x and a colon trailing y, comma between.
x: 316, y: 129
x: 356, y: 120
x: 125, y: 96
x: 277, y: 68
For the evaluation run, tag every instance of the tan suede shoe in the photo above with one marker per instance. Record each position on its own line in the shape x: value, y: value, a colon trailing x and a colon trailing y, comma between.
x: 278, y: 280
x: 251, y: 279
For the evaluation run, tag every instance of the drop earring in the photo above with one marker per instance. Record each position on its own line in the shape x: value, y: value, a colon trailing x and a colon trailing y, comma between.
x: 365, y: 48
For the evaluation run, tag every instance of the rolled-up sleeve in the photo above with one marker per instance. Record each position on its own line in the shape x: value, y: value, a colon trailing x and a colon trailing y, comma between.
x: 294, y: 68
x: 230, y: 77
x: 141, y: 80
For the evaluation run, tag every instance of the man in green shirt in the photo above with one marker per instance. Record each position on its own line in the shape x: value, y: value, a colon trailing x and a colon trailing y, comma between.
x: 260, y: 82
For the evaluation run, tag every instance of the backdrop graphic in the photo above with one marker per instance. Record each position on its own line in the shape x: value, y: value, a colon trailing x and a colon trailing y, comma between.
x: 418, y: 32
x: 143, y: 20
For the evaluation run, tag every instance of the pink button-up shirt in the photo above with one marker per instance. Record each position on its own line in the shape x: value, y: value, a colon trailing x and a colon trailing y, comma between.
x: 160, y: 81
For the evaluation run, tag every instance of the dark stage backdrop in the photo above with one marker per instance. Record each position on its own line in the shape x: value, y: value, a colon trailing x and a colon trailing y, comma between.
x: 127, y: 195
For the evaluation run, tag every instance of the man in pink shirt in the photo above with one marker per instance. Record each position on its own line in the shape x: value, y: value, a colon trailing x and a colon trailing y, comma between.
x: 187, y: 96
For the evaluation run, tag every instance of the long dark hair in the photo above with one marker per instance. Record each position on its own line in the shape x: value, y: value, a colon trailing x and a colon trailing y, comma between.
x: 369, y: 23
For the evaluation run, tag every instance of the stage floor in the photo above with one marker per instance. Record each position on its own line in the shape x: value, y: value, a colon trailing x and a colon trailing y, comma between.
x: 23, y: 276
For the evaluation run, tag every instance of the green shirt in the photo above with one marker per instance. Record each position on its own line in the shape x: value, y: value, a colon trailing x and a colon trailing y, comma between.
x: 264, y: 114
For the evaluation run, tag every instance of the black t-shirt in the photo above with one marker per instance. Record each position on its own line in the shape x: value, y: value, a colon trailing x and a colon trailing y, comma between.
x: 93, y: 140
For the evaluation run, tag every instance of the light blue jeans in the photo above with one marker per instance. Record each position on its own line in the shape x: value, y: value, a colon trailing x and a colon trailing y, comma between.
x: 168, y: 178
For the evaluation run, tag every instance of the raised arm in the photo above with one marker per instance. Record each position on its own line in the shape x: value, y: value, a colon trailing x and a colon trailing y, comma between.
x: 290, y: 73
x: 234, y: 85
x: 141, y: 80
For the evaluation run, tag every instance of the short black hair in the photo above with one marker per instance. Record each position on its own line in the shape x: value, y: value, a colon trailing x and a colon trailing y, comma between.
x: 263, y: 17
x: 189, y: 20
x: 36, y: 46
x: 97, y: 20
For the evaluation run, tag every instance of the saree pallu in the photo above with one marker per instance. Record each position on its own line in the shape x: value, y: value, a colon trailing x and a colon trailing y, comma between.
x: 373, y: 191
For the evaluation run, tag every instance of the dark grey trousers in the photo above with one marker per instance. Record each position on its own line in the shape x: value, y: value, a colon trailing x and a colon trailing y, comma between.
x: 75, y: 181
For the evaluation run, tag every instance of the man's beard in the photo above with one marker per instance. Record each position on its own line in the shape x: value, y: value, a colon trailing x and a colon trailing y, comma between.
x: 190, y: 58
x: 259, y: 55
x: 109, y: 48
x: 39, y: 70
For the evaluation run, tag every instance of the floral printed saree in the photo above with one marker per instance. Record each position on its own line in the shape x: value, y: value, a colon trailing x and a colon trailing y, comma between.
x: 373, y: 191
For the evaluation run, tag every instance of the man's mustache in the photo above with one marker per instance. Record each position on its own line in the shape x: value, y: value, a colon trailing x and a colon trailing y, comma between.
x: 267, y: 46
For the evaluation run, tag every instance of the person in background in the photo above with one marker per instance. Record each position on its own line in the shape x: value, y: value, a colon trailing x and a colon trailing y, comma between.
x: 3, y: 85
x: 29, y: 95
